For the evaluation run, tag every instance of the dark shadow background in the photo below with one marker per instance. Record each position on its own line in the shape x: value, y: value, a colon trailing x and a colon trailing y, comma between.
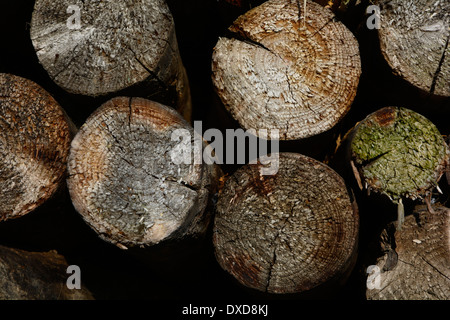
x: 114, y: 274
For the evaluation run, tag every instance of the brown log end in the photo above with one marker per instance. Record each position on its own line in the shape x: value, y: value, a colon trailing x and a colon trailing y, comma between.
x: 287, y: 70
x: 289, y: 232
x: 34, y: 146
x: 416, y: 260
x: 124, y: 181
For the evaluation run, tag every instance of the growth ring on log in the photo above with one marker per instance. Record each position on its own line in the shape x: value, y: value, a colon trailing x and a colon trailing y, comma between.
x: 414, y: 39
x: 285, y: 72
x: 117, y: 44
x: 399, y: 153
x: 35, y: 135
x: 289, y: 232
x: 123, y: 181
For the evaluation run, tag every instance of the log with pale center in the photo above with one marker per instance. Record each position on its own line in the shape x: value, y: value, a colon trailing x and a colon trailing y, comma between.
x: 123, y: 179
x: 115, y: 46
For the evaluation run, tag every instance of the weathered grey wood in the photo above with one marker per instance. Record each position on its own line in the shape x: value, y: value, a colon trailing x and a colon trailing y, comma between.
x: 119, y: 45
x: 285, y: 72
x: 36, y: 276
x: 399, y: 153
x: 289, y: 232
x: 124, y: 182
x: 35, y: 135
x: 415, y: 264
x: 414, y: 39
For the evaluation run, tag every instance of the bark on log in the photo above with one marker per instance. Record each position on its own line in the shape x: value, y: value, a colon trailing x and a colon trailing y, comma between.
x: 289, y: 73
x: 36, y: 276
x: 120, y: 47
x: 416, y: 260
x: 35, y: 135
x: 123, y: 179
x: 399, y: 153
x: 414, y: 39
x: 289, y: 232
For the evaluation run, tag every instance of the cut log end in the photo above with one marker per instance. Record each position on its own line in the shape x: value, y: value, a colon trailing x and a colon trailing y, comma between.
x: 117, y: 45
x: 399, y: 153
x: 34, y: 146
x: 289, y: 232
x: 124, y: 181
x: 416, y: 262
x: 414, y: 39
x: 285, y: 72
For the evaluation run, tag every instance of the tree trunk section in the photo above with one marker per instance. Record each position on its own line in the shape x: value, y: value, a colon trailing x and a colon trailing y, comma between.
x: 399, y: 153
x: 118, y: 48
x: 287, y: 72
x: 289, y: 232
x: 416, y: 260
x: 414, y: 39
x: 36, y: 276
x: 125, y: 182
x: 34, y: 146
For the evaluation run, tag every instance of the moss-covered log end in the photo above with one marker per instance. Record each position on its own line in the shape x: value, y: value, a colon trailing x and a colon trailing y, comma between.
x: 399, y: 152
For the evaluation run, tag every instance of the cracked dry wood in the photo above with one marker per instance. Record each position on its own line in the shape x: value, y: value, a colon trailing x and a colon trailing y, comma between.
x: 414, y: 39
x: 121, y: 45
x: 284, y: 72
x: 421, y: 269
x: 36, y: 276
x: 399, y: 153
x: 122, y: 179
x: 289, y: 232
x: 35, y: 135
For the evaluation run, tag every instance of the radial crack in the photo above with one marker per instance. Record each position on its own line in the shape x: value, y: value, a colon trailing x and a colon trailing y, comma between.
x: 438, y: 70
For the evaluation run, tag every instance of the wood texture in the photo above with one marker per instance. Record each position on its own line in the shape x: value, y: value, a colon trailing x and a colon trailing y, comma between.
x: 414, y: 39
x: 36, y: 276
x: 399, y: 153
x: 35, y: 135
x: 123, y: 179
x: 415, y: 264
x: 119, y: 45
x: 284, y: 71
x: 289, y: 232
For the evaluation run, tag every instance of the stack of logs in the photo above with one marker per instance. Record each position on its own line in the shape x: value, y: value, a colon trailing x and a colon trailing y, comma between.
x: 285, y: 65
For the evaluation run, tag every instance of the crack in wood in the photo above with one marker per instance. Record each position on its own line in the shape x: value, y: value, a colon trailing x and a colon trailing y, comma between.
x: 438, y: 70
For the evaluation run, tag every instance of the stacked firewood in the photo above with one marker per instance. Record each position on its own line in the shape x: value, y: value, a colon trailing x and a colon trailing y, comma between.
x: 104, y: 169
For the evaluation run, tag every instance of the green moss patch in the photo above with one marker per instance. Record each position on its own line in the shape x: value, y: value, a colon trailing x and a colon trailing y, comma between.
x: 399, y: 152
